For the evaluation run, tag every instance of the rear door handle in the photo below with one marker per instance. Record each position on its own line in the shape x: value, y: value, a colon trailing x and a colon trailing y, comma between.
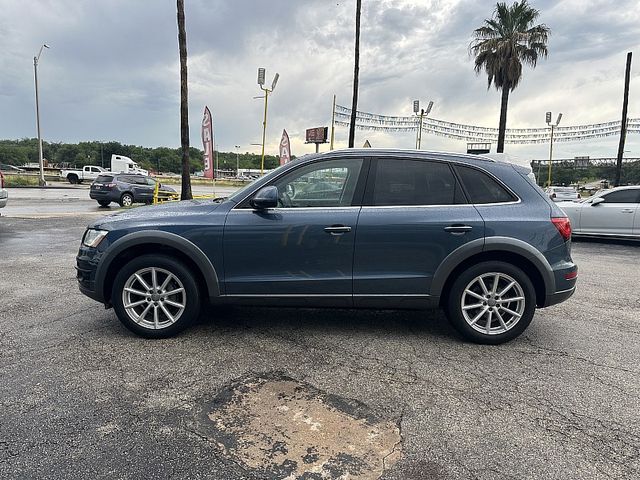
x: 337, y: 229
x: 627, y: 210
x: 458, y: 229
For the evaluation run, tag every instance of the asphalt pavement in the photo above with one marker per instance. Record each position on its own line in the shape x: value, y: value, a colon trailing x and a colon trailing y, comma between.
x: 84, y: 398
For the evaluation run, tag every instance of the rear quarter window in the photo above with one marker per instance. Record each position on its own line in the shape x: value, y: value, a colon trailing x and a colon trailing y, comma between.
x: 481, y: 187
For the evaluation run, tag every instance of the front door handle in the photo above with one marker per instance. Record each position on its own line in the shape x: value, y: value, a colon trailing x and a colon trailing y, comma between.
x: 627, y: 210
x: 458, y: 229
x: 337, y: 229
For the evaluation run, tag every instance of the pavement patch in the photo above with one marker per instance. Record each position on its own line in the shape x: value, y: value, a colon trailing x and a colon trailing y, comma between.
x: 281, y: 428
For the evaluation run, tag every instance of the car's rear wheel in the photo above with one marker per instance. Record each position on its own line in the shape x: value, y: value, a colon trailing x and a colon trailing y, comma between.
x: 155, y: 296
x: 104, y: 203
x: 126, y: 200
x: 491, y: 302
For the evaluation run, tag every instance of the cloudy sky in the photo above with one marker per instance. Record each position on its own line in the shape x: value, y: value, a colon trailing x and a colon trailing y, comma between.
x: 112, y: 72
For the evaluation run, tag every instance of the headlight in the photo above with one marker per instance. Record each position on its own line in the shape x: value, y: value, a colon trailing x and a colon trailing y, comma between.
x: 92, y: 238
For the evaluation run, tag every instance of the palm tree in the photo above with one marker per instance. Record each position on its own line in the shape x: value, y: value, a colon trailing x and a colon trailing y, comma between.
x: 356, y: 74
x: 184, y: 106
x: 503, y: 44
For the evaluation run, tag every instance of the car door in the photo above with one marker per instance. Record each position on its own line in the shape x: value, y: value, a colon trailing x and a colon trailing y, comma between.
x: 304, y: 247
x: 414, y: 214
x: 143, y: 188
x: 614, y: 216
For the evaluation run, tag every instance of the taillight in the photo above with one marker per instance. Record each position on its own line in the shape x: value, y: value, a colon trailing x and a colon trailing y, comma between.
x: 110, y: 185
x: 563, y: 224
x: 1, y: 180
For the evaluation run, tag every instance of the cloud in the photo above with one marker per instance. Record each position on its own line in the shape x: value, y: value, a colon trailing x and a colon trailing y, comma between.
x: 112, y: 71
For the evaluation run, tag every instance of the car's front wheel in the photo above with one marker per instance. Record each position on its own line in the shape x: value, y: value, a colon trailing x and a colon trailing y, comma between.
x: 491, y: 302
x: 155, y: 296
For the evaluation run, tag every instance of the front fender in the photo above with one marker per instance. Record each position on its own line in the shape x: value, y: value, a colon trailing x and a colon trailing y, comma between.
x: 157, y: 237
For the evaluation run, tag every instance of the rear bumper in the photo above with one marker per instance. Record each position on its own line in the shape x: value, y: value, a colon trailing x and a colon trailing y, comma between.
x: 558, y: 297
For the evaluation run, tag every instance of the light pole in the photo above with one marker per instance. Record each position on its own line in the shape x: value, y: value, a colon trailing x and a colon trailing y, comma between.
x: 553, y: 126
x: 36, y: 59
x: 237, y: 161
x: 267, y: 91
x: 421, y: 113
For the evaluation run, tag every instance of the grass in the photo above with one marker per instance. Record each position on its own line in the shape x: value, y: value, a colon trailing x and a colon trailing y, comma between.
x: 200, y: 181
x: 20, y: 180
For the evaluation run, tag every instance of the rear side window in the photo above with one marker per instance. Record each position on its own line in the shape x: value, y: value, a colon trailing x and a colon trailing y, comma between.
x: 415, y: 182
x: 104, y: 179
x: 623, y: 196
x: 481, y: 188
x: 127, y: 179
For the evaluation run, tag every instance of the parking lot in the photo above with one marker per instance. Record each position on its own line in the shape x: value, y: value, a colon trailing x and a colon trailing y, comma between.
x: 84, y: 398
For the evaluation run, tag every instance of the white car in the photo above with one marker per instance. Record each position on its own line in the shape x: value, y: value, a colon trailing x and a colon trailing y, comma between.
x: 4, y: 196
x: 562, y: 194
x: 609, y: 213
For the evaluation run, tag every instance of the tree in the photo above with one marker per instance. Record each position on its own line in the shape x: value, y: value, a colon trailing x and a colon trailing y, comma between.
x: 184, y: 107
x: 356, y: 74
x: 502, y: 45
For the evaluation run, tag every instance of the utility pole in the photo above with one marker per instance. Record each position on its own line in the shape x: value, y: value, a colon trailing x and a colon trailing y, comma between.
x: 356, y: 75
x: 267, y: 91
x: 421, y: 113
x: 333, y: 122
x: 36, y: 59
x: 553, y: 126
x: 237, y: 161
x: 623, y: 123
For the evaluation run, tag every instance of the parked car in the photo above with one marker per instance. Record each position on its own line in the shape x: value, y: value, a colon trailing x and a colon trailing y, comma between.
x: 88, y: 172
x: 609, y: 213
x: 562, y: 194
x: 11, y: 168
x: 125, y: 189
x: 4, y: 195
x: 409, y: 229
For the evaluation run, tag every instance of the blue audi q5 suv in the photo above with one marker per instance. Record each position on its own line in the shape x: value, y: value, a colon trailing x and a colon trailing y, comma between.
x: 358, y: 228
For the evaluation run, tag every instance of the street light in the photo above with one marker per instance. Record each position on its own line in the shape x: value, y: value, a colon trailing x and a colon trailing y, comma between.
x: 36, y: 59
x: 237, y: 161
x: 421, y: 113
x: 267, y: 91
x: 553, y: 126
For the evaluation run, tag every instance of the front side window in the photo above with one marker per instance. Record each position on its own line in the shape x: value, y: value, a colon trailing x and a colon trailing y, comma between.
x: 415, y: 182
x: 623, y: 196
x: 481, y: 188
x: 329, y: 183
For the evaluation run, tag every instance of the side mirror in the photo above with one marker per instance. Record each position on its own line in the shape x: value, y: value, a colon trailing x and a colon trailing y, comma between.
x: 597, y: 201
x: 267, y: 197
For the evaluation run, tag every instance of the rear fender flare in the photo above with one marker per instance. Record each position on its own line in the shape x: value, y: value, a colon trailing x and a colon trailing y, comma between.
x: 489, y: 244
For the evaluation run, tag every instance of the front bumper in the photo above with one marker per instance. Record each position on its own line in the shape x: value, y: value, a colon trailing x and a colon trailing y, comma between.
x: 86, y: 266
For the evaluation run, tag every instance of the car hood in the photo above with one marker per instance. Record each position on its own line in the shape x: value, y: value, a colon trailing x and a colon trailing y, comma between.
x: 155, y: 214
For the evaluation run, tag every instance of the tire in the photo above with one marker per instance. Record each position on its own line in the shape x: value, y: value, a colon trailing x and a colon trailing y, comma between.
x: 104, y: 203
x: 73, y: 179
x: 467, y: 290
x: 161, y: 318
x: 126, y: 200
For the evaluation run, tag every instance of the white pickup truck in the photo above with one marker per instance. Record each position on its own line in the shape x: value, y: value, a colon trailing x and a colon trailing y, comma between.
x: 88, y: 173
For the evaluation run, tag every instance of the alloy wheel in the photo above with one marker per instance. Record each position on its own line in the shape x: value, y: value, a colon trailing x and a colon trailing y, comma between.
x: 154, y: 298
x: 493, y: 303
